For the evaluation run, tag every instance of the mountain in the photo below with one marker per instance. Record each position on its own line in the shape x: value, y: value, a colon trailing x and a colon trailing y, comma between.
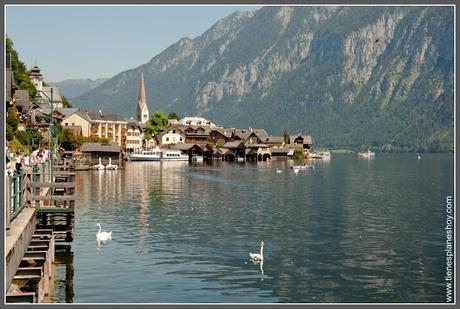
x: 379, y: 77
x: 72, y: 88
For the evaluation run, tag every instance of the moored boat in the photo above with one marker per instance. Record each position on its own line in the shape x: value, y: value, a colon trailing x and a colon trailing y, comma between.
x: 147, y: 154
x: 367, y: 154
x: 323, y: 155
x: 173, y: 155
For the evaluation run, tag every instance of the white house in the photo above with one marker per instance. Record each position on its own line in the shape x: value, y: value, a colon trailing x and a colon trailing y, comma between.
x: 195, y: 121
x: 172, y: 135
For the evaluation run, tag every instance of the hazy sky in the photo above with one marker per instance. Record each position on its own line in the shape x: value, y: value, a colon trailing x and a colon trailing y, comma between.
x: 101, y: 41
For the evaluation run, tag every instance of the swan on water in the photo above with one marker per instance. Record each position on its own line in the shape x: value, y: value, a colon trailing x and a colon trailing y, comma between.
x: 99, y: 166
x: 279, y: 171
x: 102, y: 236
x: 258, y: 256
x: 111, y: 166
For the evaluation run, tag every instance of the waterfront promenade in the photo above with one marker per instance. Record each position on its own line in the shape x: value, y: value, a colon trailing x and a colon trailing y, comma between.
x: 39, y: 211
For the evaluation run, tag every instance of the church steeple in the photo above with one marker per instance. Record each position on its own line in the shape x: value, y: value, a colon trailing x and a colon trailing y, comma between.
x: 142, y: 109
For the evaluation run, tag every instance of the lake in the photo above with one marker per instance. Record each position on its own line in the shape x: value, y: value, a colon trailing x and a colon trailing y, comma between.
x: 350, y: 230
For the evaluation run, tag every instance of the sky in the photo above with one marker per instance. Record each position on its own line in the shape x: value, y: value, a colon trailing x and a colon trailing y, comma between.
x: 69, y: 42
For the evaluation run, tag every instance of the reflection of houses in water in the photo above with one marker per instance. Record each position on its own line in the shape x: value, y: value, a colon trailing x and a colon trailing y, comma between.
x: 147, y: 183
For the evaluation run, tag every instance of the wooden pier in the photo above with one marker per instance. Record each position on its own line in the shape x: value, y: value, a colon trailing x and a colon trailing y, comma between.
x: 56, y: 207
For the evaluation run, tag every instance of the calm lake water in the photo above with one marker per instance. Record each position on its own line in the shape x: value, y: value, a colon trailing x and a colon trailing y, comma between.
x: 351, y: 230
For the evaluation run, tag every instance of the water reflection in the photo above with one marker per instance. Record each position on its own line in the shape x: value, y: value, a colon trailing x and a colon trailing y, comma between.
x: 348, y: 231
x: 63, y: 267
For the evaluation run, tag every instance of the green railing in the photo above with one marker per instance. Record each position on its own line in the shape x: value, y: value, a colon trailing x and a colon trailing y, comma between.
x: 16, y: 194
x: 16, y: 187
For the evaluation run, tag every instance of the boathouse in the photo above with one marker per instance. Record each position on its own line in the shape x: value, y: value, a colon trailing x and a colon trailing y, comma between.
x: 93, y: 151
x: 280, y: 152
x: 234, y: 151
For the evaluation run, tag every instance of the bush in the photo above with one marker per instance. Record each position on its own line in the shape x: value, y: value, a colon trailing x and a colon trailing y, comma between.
x: 12, y: 118
x: 16, y: 145
x: 36, y: 137
x: 299, y: 153
x: 9, y: 133
x: 22, y: 137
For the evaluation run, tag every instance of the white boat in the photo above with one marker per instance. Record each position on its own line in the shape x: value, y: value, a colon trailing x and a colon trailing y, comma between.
x: 147, y: 154
x: 367, y: 154
x: 302, y: 167
x: 323, y: 155
x: 173, y: 155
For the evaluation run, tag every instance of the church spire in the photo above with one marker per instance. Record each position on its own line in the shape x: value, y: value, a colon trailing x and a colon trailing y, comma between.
x: 142, y: 109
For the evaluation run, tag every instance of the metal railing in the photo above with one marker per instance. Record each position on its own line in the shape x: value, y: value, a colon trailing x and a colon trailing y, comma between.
x: 17, y: 188
x: 16, y: 195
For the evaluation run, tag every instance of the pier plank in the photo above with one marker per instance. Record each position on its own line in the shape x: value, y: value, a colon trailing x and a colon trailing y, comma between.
x: 51, y: 184
x: 56, y: 209
x: 52, y: 198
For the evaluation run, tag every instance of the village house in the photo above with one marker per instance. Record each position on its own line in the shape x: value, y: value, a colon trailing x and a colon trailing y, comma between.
x: 196, y: 134
x: 275, y: 141
x: 112, y: 127
x: 134, y: 136
x: 171, y: 136
x: 195, y: 121
x: 219, y: 136
x: 299, y: 140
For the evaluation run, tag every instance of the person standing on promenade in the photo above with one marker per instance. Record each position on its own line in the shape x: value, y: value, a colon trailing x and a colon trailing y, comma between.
x: 45, y: 155
x: 33, y: 157
x: 18, y: 161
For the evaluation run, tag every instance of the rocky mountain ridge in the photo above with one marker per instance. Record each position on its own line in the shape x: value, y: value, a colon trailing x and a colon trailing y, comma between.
x: 349, y: 76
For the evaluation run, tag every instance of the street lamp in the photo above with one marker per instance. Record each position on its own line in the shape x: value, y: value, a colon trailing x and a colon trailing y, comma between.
x: 52, y: 136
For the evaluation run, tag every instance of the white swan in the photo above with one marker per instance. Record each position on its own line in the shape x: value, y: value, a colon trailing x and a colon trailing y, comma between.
x: 102, y: 236
x: 111, y: 166
x: 99, y: 166
x: 279, y: 171
x: 258, y: 256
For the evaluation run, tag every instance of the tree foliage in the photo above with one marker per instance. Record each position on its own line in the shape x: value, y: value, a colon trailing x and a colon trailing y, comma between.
x: 12, y: 119
x: 286, y: 136
x: 70, y: 141
x: 299, y: 153
x: 35, y: 136
x: 156, y: 122
x: 65, y: 102
x: 22, y: 137
x: 20, y: 72
x: 173, y: 115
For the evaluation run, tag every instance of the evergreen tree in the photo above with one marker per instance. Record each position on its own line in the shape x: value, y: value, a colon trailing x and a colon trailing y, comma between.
x: 286, y: 136
x: 65, y: 102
